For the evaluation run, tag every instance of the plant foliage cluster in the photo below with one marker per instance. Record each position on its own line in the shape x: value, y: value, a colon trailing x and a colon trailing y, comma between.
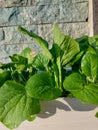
x: 68, y: 68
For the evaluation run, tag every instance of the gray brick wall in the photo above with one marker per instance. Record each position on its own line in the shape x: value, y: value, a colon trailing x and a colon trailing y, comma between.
x: 39, y: 16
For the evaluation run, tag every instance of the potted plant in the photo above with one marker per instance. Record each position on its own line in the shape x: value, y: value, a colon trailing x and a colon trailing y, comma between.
x: 68, y: 69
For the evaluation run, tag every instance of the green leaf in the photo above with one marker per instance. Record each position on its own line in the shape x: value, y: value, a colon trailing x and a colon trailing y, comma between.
x: 8, y: 66
x: 55, y: 51
x: 58, y: 36
x: 89, y: 94
x: 26, y: 52
x: 83, y: 43
x: 33, y: 35
x: 74, y: 82
x: 43, y: 43
x: 19, y: 77
x: 40, y: 62
x: 15, y: 105
x: 92, y: 50
x: 93, y: 40
x: 69, y: 48
x: 3, y: 77
x: 58, y: 39
x: 64, y: 48
x: 18, y: 59
x: 42, y: 86
x: 75, y: 59
x: 89, y: 66
x: 19, y: 63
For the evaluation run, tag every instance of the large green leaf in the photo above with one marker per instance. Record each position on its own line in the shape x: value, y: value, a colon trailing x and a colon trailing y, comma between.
x: 58, y: 39
x: 88, y: 94
x: 15, y: 105
x: 43, y: 43
x: 69, y: 48
x: 42, y: 86
x: 65, y: 46
x: 76, y: 84
x: 89, y: 66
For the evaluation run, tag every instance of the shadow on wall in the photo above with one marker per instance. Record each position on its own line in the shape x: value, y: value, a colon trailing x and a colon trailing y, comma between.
x: 50, y: 108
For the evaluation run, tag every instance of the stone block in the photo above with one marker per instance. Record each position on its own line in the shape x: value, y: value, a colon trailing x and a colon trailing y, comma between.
x: 75, y: 30
x: 10, y: 16
x: 9, y: 49
x: 3, y: 54
x: 47, y: 14
x: 12, y: 49
x: 76, y: 12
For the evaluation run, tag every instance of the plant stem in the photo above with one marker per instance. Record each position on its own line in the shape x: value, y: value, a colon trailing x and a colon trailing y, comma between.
x: 60, y: 72
x: 56, y: 73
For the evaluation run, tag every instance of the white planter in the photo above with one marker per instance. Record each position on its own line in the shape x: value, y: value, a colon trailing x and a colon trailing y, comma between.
x: 63, y: 114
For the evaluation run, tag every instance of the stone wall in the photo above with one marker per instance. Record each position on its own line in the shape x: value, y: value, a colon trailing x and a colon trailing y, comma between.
x: 38, y: 16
